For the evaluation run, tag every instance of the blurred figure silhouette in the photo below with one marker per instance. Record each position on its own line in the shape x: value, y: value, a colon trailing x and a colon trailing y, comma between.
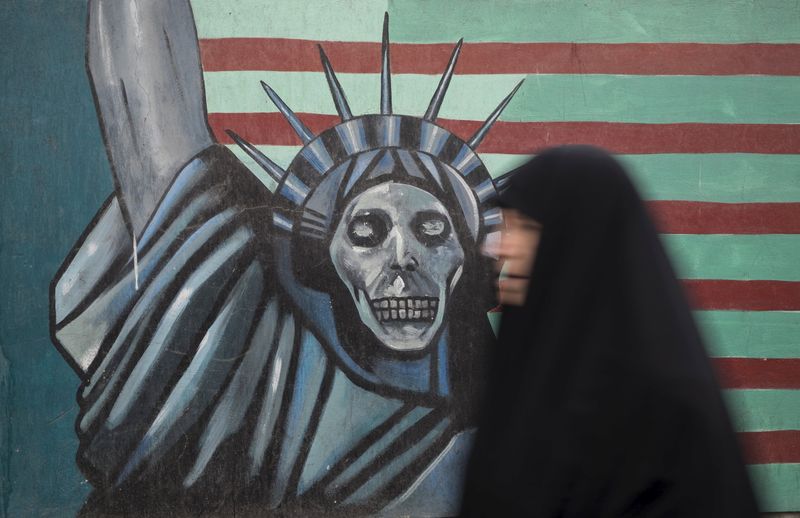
x: 602, y: 401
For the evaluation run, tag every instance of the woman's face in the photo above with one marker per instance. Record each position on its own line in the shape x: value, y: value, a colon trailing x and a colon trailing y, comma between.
x: 515, y: 254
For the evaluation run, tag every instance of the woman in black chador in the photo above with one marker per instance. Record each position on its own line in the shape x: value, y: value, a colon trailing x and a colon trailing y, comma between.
x: 602, y: 400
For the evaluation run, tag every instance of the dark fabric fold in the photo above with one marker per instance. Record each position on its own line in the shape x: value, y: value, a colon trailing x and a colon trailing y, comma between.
x: 208, y: 387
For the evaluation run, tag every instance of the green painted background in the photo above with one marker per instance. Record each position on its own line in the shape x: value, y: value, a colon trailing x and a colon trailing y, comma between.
x: 54, y: 176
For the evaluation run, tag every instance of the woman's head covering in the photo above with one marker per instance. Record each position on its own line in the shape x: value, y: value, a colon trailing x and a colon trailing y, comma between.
x: 602, y: 401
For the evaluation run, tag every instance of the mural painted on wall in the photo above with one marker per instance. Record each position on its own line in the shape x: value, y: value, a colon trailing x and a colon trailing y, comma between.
x: 313, y: 346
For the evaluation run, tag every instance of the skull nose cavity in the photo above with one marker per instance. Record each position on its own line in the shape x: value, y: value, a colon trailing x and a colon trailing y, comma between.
x: 408, y: 263
x: 403, y: 257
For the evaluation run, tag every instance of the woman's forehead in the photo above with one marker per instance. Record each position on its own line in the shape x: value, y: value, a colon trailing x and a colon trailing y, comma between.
x: 517, y: 219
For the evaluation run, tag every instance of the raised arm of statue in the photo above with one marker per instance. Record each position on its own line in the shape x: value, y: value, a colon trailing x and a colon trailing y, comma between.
x: 144, y: 65
x: 143, y: 61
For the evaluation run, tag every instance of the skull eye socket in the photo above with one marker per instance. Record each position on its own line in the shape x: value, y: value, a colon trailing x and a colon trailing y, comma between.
x: 367, y: 230
x: 431, y: 228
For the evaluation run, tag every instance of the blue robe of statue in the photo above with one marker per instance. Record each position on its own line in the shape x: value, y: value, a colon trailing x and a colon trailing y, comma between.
x: 216, y: 380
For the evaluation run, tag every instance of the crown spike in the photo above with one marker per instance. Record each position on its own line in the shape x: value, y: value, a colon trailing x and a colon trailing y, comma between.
x: 444, y: 83
x: 273, y: 170
x: 501, y: 182
x: 386, y: 73
x: 476, y: 139
x: 297, y: 125
x: 337, y: 92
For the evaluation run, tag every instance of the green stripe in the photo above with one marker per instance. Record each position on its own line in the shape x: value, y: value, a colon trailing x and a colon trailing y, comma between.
x: 721, y: 178
x: 281, y: 155
x: 733, y: 178
x: 543, y: 97
x: 722, y: 21
x: 777, y: 486
x: 740, y: 334
x: 494, y: 320
x: 757, y: 334
x: 730, y: 178
x: 337, y: 20
x: 736, y: 257
x: 764, y: 410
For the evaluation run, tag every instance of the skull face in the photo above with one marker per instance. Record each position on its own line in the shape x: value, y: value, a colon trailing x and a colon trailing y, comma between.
x: 398, y: 254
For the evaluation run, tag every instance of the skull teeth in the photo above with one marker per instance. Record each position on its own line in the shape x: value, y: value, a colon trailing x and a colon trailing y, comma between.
x: 406, y: 309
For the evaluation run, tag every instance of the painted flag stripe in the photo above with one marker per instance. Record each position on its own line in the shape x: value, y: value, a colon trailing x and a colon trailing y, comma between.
x: 598, y: 21
x: 737, y: 334
x: 751, y: 334
x: 296, y: 55
x: 693, y: 217
x: 634, y: 138
x: 734, y: 178
x: 731, y: 178
x: 736, y: 295
x: 776, y: 486
x: 734, y: 257
x: 542, y: 97
x: 763, y: 410
x: 527, y: 137
x: 781, y: 446
x: 753, y: 295
x: 758, y: 373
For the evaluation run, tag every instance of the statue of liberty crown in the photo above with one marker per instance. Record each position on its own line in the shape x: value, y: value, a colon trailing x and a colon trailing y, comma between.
x: 363, y: 147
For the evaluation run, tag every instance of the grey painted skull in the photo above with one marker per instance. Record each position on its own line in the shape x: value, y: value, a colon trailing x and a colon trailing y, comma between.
x: 399, y: 256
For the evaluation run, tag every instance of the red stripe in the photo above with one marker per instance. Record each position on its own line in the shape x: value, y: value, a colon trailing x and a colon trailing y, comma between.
x: 712, y: 294
x: 527, y: 137
x: 693, y: 217
x: 781, y: 446
x: 506, y: 58
x: 758, y: 373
